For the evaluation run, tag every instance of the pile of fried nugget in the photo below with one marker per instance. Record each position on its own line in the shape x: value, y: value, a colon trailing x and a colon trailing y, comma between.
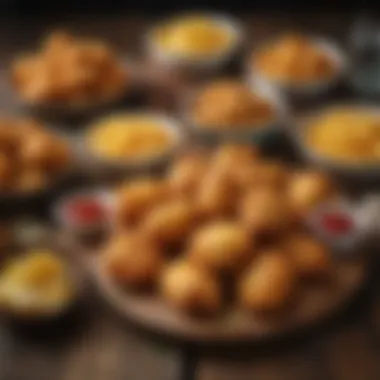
x: 31, y: 156
x: 218, y: 223
x: 70, y: 70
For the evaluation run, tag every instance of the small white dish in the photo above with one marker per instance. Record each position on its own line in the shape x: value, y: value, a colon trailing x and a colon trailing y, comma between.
x: 255, y: 133
x: 101, y: 199
x: 339, y: 225
x: 312, y: 88
x: 202, y: 63
x: 94, y: 162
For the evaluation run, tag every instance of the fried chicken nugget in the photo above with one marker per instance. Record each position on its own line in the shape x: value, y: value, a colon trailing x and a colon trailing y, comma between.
x: 268, y: 284
x: 135, y: 198
x: 311, y: 258
x: 132, y: 260
x: 190, y: 289
x: 187, y: 173
x: 265, y: 211
x: 170, y: 222
x: 221, y: 247
x: 307, y: 189
x: 45, y: 152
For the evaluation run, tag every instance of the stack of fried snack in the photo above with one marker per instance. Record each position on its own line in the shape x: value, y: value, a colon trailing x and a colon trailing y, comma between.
x: 229, y: 104
x: 31, y: 157
x: 294, y: 58
x: 227, y: 218
x: 69, y: 70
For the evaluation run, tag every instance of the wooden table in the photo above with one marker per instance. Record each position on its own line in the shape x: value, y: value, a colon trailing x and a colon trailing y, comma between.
x: 99, y: 345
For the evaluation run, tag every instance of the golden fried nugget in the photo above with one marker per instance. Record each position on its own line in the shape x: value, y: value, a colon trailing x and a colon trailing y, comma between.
x: 221, y: 246
x: 269, y: 283
x: 187, y: 172
x: 68, y: 71
x: 281, y: 61
x: 134, y: 199
x: 230, y: 104
x: 190, y: 289
x: 216, y: 195
x: 170, y: 222
x: 228, y: 157
x: 308, y: 189
x: 266, y: 211
x: 6, y: 171
x: 30, y: 180
x: 132, y: 260
x: 311, y: 258
x: 46, y: 152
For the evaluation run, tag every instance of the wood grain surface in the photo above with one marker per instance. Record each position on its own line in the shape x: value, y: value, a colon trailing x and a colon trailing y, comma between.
x: 96, y: 344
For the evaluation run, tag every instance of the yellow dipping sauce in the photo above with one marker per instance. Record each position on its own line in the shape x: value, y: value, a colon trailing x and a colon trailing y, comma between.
x: 36, y: 283
x: 194, y: 36
x: 346, y: 135
x: 129, y: 136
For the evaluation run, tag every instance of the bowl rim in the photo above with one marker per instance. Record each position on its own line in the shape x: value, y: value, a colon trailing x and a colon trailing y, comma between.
x: 226, y: 21
x: 301, y: 125
x: 331, y: 48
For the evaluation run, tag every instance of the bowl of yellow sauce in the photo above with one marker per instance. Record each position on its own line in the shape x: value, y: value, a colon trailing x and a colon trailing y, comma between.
x: 195, y: 40
x: 36, y: 285
x: 132, y: 139
x: 343, y: 138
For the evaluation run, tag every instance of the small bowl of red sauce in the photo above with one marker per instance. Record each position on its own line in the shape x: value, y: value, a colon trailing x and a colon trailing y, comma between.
x: 338, y: 225
x: 85, y: 212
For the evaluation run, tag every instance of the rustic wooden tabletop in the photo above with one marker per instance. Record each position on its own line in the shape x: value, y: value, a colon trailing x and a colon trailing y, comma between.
x: 97, y: 344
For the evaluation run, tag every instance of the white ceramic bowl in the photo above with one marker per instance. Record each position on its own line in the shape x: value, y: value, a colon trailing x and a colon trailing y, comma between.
x: 255, y: 133
x: 197, y: 64
x: 312, y: 88
x: 102, y: 196
x: 93, y: 162
x: 353, y: 170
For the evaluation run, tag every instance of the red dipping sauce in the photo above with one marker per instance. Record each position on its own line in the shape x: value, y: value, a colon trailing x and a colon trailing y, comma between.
x: 86, y: 211
x: 337, y: 223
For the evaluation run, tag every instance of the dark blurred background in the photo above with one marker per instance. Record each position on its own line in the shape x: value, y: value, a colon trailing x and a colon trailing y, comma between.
x: 29, y: 7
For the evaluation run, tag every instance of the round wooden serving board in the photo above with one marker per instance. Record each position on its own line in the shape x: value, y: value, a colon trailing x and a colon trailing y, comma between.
x: 315, y: 304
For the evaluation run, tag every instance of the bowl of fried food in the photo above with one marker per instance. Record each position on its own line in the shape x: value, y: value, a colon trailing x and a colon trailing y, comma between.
x: 70, y: 76
x: 298, y: 65
x: 217, y: 249
x: 229, y: 109
x: 131, y: 140
x: 196, y: 42
x: 342, y: 138
x: 37, y: 285
x: 33, y: 159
